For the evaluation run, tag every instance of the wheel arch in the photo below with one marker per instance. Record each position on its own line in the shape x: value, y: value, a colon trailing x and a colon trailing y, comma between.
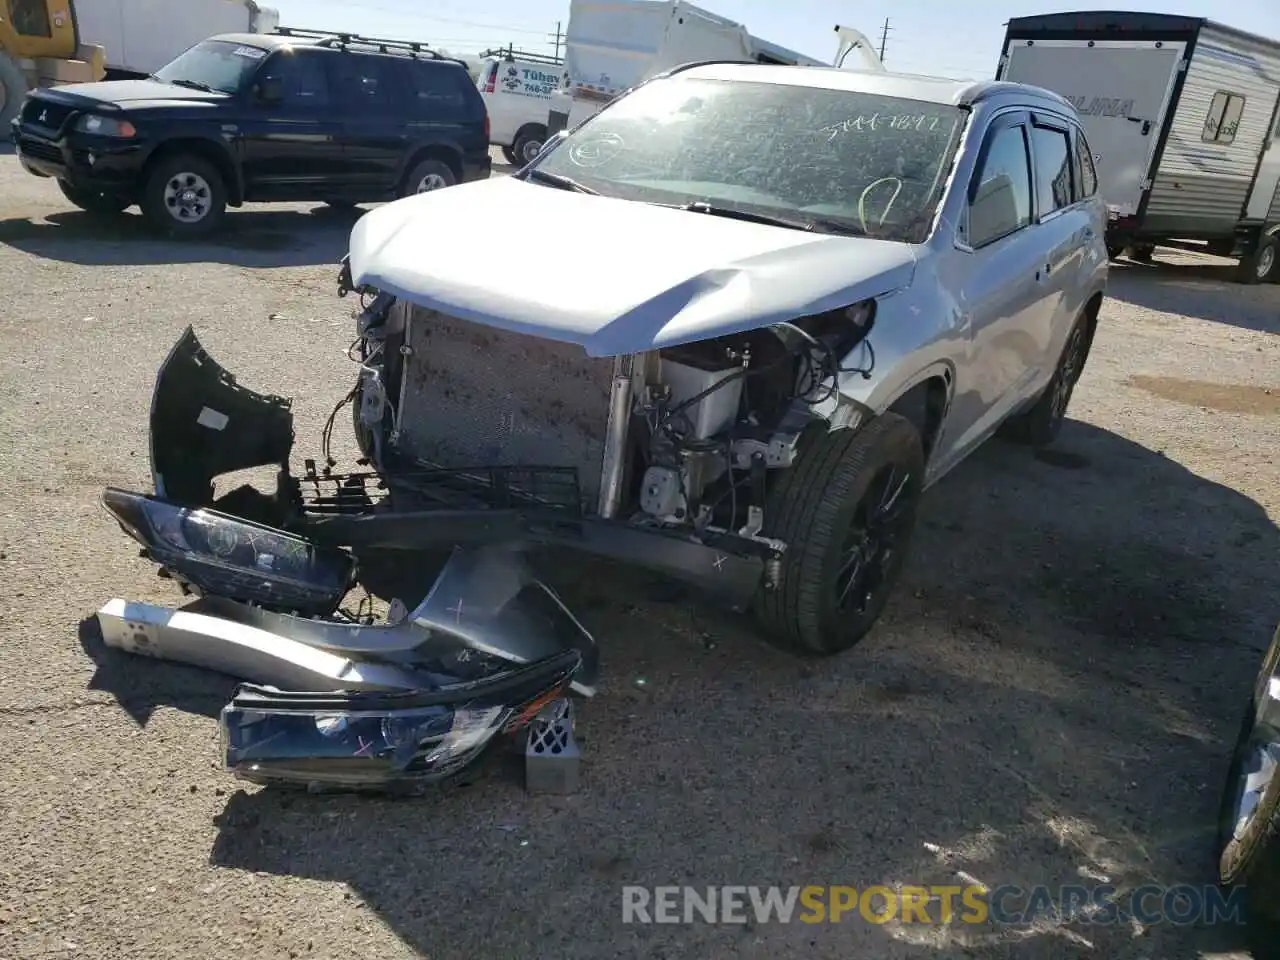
x: 925, y: 401
x: 207, y: 149
x: 446, y: 154
x: 1092, y: 309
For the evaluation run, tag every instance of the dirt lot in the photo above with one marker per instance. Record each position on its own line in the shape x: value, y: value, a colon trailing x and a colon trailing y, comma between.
x: 1049, y: 699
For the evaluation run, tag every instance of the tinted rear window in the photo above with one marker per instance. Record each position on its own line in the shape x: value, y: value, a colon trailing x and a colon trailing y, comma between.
x: 441, y: 90
x: 365, y: 82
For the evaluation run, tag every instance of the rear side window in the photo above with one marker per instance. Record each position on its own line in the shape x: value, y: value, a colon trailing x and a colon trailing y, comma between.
x: 1000, y: 202
x: 439, y: 90
x: 1052, y: 150
x: 1087, y: 181
x: 364, y: 82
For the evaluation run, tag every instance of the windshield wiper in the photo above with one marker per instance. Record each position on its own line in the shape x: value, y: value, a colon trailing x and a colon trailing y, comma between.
x: 193, y: 85
x: 555, y: 180
x: 733, y: 213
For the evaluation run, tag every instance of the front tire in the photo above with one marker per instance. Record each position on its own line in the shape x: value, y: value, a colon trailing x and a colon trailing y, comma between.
x: 1249, y: 816
x: 94, y: 201
x: 185, y: 196
x: 846, y: 510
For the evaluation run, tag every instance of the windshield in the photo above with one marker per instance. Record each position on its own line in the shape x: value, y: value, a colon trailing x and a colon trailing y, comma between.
x: 835, y: 160
x: 213, y: 65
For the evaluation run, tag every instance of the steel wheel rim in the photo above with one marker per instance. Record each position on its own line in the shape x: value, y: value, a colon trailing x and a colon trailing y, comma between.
x: 1068, y: 374
x: 530, y: 150
x: 188, y: 197
x: 432, y: 181
x: 1266, y: 258
x: 874, y: 539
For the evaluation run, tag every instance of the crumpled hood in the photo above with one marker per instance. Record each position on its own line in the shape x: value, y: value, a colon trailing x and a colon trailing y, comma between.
x: 613, y: 276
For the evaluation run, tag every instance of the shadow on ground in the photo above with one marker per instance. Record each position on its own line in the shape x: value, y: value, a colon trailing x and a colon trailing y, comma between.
x: 1049, y: 699
x: 1205, y: 290
x: 141, y: 689
x: 249, y: 237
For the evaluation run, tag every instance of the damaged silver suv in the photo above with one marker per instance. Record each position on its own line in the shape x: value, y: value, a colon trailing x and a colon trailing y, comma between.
x: 788, y: 300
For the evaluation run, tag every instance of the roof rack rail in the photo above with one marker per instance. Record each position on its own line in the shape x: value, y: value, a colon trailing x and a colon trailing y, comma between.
x: 510, y: 52
x: 333, y: 38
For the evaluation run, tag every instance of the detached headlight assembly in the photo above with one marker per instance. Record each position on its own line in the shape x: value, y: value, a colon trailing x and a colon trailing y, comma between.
x: 106, y: 126
x: 375, y: 740
x: 233, y: 558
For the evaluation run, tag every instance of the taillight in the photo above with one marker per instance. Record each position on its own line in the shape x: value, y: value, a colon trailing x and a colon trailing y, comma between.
x: 491, y: 81
x: 486, y: 124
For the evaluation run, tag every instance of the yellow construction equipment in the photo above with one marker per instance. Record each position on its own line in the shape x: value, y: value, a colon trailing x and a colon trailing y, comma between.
x: 40, y: 46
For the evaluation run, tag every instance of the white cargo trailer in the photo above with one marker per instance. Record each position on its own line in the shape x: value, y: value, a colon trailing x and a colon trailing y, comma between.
x: 611, y: 45
x: 1181, y: 114
x: 141, y: 36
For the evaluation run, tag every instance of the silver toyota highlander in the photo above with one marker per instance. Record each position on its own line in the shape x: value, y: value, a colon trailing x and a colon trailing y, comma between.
x: 730, y: 329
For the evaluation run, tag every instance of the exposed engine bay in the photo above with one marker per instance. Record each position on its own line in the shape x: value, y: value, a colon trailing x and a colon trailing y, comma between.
x: 681, y: 440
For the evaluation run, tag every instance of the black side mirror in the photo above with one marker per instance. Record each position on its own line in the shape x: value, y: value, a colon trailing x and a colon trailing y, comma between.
x: 270, y: 90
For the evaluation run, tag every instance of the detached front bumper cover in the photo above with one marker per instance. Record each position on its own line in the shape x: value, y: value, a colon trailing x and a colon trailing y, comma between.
x: 334, y: 705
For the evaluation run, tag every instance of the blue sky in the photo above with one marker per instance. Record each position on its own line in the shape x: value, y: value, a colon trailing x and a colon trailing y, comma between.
x: 924, y: 35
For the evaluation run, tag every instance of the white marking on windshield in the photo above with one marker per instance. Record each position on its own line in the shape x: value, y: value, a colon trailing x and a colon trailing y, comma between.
x: 882, y: 121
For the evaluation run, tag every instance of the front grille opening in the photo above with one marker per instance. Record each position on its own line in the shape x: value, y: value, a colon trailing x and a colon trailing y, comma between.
x: 476, y: 395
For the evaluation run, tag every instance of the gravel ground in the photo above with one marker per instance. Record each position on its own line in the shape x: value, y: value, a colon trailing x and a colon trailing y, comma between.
x: 1050, y: 698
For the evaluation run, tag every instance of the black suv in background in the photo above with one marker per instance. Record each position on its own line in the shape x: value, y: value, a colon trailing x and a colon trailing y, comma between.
x: 241, y: 118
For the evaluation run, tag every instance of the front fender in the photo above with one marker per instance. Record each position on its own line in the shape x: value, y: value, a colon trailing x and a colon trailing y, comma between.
x: 917, y: 336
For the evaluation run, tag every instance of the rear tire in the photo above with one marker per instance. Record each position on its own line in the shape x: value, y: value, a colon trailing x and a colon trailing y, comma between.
x: 94, y: 201
x: 1262, y: 265
x: 846, y: 510
x: 13, y: 88
x: 1252, y: 859
x: 510, y: 156
x: 527, y: 144
x: 1040, y: 425
x: 1142, y: 252
x: 185, y: 196
x: 428, y: 175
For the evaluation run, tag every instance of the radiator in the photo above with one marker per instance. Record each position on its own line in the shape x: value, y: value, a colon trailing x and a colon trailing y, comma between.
x: 479, y: 396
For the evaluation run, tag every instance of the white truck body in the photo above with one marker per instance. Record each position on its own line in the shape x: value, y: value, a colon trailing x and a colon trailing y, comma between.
x: 516, y: 86
x: 141, y: 36
x: 612, y: 45
x: 1181, y: 116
